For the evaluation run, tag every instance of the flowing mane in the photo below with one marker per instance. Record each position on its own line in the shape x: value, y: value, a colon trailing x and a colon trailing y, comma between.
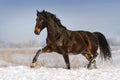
x: 57, y: 20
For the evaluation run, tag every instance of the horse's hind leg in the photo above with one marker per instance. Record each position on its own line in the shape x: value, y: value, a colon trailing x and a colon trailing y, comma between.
x: 91, y: 59
x: 92, y: 62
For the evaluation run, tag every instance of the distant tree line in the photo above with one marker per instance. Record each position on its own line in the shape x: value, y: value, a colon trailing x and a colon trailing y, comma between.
x: 29, y: 44
x: 34, y: 43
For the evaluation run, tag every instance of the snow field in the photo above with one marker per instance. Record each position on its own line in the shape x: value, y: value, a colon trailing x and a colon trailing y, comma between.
x: 43, y: 73
x: 14, y: 65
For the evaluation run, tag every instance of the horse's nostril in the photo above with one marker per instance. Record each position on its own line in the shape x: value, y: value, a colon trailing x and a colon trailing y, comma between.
x: 36, y: 32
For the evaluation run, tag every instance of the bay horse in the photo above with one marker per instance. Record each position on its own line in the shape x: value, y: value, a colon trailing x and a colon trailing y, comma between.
x: 63, y: 41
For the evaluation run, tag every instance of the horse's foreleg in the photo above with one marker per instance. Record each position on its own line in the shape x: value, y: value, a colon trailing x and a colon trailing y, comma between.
x: 33, y: 64
x: 45, y: 49
x: 66, y: 58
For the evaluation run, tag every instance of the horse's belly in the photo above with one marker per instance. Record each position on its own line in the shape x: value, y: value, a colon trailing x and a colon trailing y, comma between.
x: 77, y: 49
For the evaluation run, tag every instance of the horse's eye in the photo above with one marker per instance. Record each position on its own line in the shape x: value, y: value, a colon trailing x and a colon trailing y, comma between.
x: 37, y: 19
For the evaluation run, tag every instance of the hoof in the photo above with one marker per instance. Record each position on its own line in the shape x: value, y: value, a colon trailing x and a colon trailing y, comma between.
x: 90, y: 68
x: 92, y: 65
x: 33, y: 65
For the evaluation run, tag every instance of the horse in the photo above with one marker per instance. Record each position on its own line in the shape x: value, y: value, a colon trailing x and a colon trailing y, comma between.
x: 63, y: 41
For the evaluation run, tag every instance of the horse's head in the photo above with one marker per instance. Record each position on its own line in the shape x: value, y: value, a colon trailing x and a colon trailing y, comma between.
x: 41, y: 22
x: 49, y: 20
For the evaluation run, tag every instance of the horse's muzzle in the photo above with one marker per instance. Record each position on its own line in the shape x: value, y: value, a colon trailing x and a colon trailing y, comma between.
x: 37, y: 31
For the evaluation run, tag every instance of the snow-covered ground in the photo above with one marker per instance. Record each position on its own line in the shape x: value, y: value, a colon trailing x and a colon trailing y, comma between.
x: 14, y: 65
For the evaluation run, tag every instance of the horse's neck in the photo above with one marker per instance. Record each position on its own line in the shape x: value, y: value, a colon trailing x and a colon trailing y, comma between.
x: 53, y: 29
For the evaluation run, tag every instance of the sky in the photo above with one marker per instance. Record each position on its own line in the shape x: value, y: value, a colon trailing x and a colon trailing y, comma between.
x: 17, y: 17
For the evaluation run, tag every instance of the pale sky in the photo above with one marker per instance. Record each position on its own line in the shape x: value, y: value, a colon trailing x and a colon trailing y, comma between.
x: 17, y: 17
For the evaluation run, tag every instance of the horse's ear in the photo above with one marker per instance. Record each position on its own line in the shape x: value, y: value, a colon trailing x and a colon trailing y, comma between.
x: 37, y: 11
x: 43, y: 11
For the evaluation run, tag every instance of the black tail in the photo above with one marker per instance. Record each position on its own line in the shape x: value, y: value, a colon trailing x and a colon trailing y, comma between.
x: 105, y: 51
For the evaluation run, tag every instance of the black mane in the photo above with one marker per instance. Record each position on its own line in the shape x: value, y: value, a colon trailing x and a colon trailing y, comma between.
x: 57, y: 20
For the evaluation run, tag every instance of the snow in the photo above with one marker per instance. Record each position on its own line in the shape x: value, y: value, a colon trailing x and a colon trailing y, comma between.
x: 43, y: 73
x: 53, y: 67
